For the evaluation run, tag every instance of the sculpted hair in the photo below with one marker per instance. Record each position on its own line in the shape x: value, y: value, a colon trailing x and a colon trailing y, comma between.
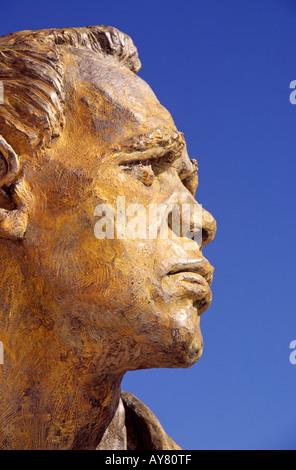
x: 32, y: 73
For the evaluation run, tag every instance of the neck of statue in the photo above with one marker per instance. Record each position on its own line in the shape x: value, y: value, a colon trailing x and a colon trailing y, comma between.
x: 54, y: 403
x: 53, y: 394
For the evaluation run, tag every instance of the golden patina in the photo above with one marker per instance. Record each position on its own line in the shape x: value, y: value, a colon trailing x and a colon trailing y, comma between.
x: 79, y: 128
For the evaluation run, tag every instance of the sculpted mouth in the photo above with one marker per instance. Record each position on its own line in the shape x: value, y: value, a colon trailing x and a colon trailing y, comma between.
x: 198, y: 274
x: 201, y: 267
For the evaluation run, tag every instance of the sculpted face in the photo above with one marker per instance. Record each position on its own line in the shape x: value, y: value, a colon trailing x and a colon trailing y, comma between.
x: 138, y: 299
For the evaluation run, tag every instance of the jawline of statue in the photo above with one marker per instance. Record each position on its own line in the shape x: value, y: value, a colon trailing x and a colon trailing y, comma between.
x: 76, y: 314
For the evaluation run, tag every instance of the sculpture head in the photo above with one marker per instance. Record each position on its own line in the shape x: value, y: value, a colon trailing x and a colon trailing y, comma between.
x: 79, y: 129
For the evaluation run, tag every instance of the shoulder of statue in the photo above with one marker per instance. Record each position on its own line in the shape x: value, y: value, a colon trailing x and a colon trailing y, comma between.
x: 144, y: 431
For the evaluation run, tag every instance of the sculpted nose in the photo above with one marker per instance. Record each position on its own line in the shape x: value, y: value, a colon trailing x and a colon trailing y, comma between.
x: 200, y: 221
x: 193, y: 217
x: 197, y: 223
x: 209, y: 228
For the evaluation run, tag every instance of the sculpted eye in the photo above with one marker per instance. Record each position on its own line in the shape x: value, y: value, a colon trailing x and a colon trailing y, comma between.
x: 142, y: 171
x: 147, y: 170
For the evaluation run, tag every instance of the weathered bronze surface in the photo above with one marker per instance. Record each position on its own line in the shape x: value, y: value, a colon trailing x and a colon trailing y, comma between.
x: 79, y: 128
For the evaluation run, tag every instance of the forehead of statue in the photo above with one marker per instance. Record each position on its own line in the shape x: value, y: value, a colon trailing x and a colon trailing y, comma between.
x: 113, y: 102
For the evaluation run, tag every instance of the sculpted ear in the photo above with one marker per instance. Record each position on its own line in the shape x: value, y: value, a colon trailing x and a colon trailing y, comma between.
x: 14, y: 197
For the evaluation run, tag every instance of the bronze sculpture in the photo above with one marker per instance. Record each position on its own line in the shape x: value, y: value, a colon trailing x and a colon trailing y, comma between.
x: 79, y: 128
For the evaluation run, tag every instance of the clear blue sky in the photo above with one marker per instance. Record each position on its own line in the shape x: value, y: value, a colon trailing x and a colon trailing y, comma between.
x: 223, y: 69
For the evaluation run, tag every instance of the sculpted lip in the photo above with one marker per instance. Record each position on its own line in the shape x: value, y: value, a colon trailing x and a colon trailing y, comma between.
x: 199, y: 266
x: 198, y: 273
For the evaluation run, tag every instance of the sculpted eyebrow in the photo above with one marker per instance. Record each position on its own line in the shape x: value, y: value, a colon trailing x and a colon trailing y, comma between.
x: 167, y: 151
x: 150, y: 156
x: 153, y: 145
